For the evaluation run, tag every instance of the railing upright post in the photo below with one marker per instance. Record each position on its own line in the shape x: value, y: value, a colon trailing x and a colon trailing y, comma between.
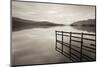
x: 70, y: 45
x: 81, y: 46
x: 95, y: 45
x: 62, y: 41
x: 56, y: 40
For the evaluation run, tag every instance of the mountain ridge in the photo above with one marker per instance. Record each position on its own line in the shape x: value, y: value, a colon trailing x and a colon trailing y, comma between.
x: 89, y: 22
x: 20, y: 24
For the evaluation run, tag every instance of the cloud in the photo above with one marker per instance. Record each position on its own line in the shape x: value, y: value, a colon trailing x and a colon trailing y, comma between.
x: 52, y: 12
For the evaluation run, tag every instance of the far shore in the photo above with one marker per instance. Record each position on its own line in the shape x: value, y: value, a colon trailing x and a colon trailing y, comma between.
x: 21, y: 24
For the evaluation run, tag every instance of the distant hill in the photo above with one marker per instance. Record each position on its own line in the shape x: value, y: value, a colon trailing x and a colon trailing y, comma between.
x: 89, y: 22
x: 20, y: 24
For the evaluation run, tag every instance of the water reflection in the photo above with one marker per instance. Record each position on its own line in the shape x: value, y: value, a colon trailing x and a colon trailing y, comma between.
x: 37, y: 45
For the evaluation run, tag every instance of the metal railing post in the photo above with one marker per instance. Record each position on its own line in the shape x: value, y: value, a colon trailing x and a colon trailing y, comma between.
x: 56, y: 39
x: 70, y: 45
x: 62, y: 41
x: 81, y: 46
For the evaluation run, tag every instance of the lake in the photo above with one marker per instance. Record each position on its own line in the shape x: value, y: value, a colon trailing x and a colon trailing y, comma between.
x: 37, y: 45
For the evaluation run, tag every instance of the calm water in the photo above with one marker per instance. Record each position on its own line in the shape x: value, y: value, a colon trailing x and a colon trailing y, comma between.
x: 37, y: 45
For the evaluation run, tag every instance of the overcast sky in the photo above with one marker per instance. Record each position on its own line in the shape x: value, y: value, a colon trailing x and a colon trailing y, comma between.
x: 56, y: 13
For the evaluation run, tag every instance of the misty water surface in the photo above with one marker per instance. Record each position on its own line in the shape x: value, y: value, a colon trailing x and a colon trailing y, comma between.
x: 37, y: 45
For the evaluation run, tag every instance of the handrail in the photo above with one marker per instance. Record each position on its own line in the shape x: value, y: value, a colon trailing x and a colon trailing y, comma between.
x: 89, y: 47
x: 76, y: 41
x: 89, y: 34
x: 84, y: 49
x: 77, y: 33
x: 89, y: 39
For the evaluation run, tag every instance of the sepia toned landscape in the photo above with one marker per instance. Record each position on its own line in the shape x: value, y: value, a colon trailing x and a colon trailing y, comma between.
x: 39, y: 33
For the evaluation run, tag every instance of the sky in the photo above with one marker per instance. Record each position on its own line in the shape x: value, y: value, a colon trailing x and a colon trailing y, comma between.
x: 56, y: 13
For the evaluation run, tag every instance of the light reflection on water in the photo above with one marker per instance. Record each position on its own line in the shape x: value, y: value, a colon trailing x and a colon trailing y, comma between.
x: 37, y: 45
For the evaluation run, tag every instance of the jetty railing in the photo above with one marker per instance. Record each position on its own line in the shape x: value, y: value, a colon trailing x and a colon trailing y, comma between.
x: 79, y: 46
